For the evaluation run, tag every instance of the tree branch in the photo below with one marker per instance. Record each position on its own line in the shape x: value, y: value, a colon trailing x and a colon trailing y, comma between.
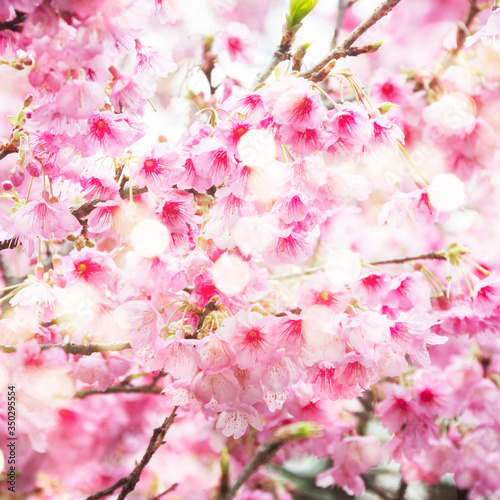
x: 315, y: 73
x: 125, y: 386
x: 400, y: 495
x: 172, y: 488
x: 461, y: 32
x: 210, y: 306
x: 282, y: 53
x: 128, y: 483
x: 82, y: 349
x: 81, y: 212
x: 7, y: 149
x: 144, y: 389
x: 14, y: 25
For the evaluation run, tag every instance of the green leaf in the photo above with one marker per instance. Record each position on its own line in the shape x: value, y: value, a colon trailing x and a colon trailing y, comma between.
x: 298, y: 10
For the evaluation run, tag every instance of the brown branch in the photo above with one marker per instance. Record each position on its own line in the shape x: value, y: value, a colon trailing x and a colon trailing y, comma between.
x: 124, y: 386
x: 14, y: 24
x: 144, y: 389
x: 463, y: 33
x: 7, y: 149
x: 343, y: 50
x: 224, y: 474
x: 210, y: 306
x: 82, y: 349
x: 172, y: 488
x: 83, y: 210
x: 430, y: 255
x: 286, y: 434
x: 400, y: 495
x: 128, y: 483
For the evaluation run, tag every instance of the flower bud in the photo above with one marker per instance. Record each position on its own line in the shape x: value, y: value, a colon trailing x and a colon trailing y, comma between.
x: 299, y: 430
x: 28, y: 100
x: 57, y: 263
x: 7, y: 185
x: 34, y: 168
x: 16, y: 176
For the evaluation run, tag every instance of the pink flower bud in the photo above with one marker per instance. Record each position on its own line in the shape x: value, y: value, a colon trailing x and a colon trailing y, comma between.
x: 7, y: 185
x: 57, y: 263
x: 39, y: 271
x: 16, y: 176
x: 34, y: 168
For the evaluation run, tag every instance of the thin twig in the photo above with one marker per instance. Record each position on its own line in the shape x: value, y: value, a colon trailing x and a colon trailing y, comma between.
x: 343, y: 50
x: 124, y: 386
x: 265, y: 453
x: 172, y: 488
x: 14, y: 24
x: 6, y: 274
x: 82, y: 349
x: 462, y: 32
x: 400, y: 495
x: 342, y: 8
x: 128, y: 483
x: 144, y: 389
x: 81, y: 212
x: 430, y: 255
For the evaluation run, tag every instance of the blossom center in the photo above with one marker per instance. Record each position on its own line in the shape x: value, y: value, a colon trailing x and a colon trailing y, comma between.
x: 303, y: 108
x: 254, y: 338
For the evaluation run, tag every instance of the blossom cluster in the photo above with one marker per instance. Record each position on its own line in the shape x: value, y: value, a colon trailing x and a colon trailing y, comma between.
x: 307, y: 250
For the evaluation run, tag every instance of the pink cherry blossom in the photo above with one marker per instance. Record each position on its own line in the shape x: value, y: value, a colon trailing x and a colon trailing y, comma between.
x: 298, y: 106
x: 41, y: 218
x: 236, y: 41
x: 110, y: 133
